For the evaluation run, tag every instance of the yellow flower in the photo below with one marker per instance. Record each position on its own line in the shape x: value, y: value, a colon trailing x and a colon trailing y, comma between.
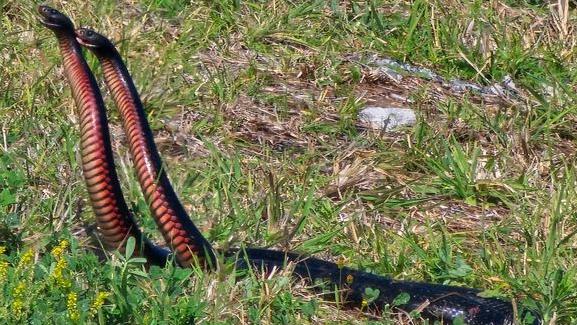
x: 3, y: 270
x: 341, y: 262
x: 350, y: 278
x: 58, y: 274
x: 26, y: 259
x: 18, y: 302
x: 98, y: 302
x: 72, y: 306
x: 19, y: 290
x: 17, y: 307
x: 3, y: 265
x: 59, y: 250
x: 364, y: 303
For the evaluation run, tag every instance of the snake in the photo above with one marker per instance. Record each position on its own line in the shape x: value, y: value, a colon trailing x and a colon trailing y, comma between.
x: 176, y: 227
x: 434, y: 301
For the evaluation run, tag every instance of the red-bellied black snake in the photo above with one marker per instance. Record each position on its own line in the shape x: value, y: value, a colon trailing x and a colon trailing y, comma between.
x: 440, y: 302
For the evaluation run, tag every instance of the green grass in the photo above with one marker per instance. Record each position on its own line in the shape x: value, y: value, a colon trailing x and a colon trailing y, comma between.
x: 254, y: 105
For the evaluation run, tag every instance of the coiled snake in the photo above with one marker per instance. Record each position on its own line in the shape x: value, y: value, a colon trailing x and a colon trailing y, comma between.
x: 115, y: 222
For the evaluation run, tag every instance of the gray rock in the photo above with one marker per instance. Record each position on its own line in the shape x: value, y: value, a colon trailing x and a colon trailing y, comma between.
x: 387, y: 118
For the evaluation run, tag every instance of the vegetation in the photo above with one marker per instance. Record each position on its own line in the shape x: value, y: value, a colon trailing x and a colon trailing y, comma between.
x: 255, y: 108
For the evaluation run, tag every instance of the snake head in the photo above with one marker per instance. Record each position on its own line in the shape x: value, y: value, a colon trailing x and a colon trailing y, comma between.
x: 92, y: 40
x: 54, y: 19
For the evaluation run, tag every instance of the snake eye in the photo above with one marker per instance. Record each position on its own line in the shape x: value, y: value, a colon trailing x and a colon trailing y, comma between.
x: 87, y: 33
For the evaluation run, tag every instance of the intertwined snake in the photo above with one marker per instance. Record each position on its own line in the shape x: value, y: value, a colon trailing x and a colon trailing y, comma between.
x: 116, y: 224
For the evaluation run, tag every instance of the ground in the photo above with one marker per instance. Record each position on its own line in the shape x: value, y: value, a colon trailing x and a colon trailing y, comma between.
x: 255, y: 106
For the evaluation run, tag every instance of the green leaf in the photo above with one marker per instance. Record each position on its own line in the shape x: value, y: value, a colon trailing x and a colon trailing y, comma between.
x: 459, y: 320
x: 139, y: 273
x: 402, y: 299
x: 130, y: 245
x: 310, y: 308
x: 6, y: 198
x: 137, y: 260
x: 371, y: 294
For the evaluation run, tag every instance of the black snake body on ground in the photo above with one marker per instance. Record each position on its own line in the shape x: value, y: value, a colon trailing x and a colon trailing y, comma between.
x: 437, y: 302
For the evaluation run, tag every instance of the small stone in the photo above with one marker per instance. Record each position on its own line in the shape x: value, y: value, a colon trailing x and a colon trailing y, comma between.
x: 387, y: 118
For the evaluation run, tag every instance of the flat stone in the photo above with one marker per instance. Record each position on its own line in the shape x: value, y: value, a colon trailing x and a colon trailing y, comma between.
x: 387, y: 118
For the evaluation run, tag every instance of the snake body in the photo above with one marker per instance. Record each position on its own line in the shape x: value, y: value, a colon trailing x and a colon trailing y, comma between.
x: 436, y: 302
x: 113, y: 218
